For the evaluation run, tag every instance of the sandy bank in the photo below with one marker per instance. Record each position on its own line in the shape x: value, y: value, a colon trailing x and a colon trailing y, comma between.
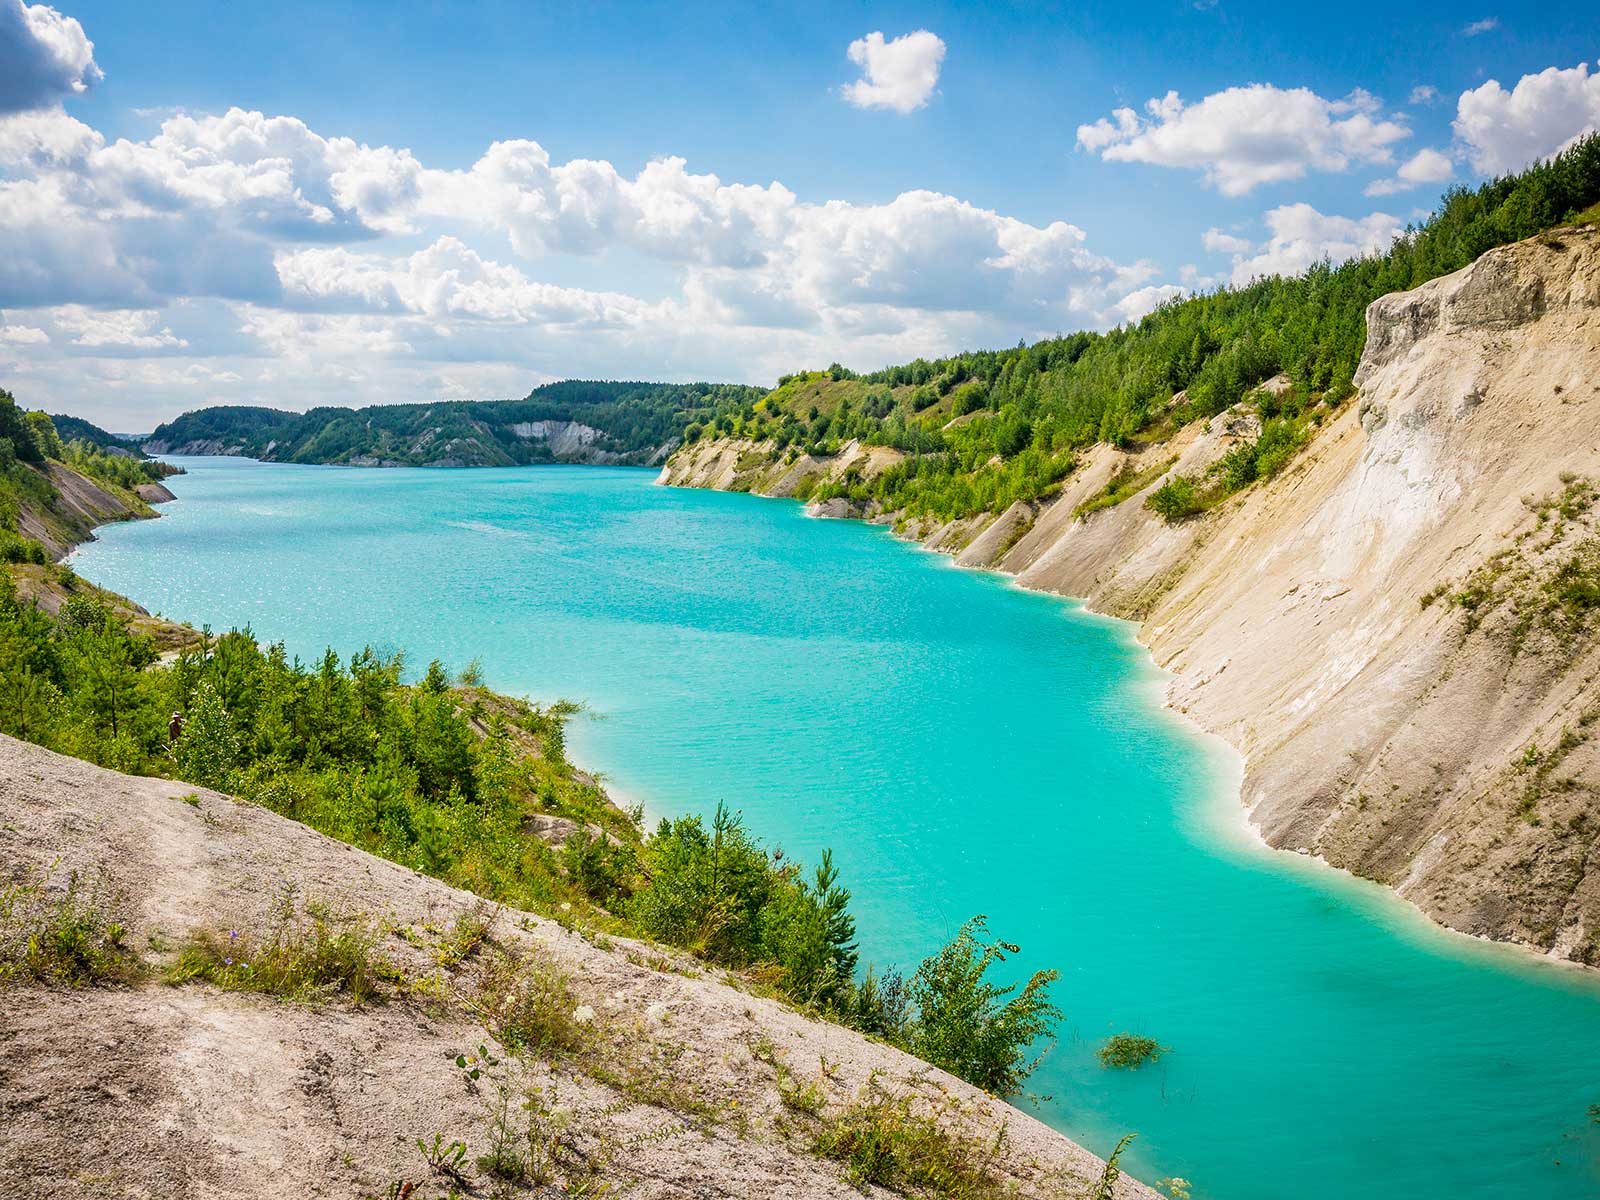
x: 1443, y: 751
x: 157, y: 1090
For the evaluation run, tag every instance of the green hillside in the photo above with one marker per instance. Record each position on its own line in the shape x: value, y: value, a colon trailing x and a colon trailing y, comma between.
x: 987, y: 428
x: 632, y: 422
x: 76, y: 429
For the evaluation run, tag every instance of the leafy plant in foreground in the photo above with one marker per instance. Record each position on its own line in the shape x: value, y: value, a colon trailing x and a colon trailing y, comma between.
x: 966, y: 1024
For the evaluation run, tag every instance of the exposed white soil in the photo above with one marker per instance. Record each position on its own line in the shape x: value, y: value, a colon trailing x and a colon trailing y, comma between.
x: 162, y: 1091
x: 1387, y: 736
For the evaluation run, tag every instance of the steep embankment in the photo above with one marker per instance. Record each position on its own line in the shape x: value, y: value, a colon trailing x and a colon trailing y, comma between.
x: 1399, y: 631
x: 661, y: 1078
x: 75, y: 505
x: 59, y: 508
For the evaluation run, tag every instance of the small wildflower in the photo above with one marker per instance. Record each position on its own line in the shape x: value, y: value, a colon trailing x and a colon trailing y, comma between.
x: 228, y: 962
x: 566, y: 906
x: 583, y: 1014
x: 233, y: 935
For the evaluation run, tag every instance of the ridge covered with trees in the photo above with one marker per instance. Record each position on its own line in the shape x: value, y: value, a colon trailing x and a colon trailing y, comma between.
x: 983, y: 429
x: 76, y: 429
x: 632, y: 422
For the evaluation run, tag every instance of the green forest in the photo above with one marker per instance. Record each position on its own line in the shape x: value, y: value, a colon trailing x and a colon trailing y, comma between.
x: 634, y: 419
x: 76, y: 429
x: 445, y: 777
x: 987, y: 428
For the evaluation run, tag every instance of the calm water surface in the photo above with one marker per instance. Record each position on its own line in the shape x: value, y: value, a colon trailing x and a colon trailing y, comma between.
x: 964, y: 747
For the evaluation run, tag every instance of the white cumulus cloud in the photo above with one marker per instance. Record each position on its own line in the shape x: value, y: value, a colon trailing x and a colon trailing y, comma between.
x: 1218, y: 242
x: 447, y: 280
x: 1146, y: 300
x: 23, y: 335
x: 1247, y: 136
x: 44, y: 57
x: 1300, y: 236
x: 127, y: 328
x: 1484, y: 26
x: 1425, y: 166
x: 899, y: 74
x: 1506, y: 130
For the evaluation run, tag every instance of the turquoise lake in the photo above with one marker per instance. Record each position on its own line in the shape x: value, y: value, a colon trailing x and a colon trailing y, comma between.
x: 964, y: 747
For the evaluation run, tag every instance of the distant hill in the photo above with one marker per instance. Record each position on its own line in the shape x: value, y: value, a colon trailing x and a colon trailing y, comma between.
x: 76, y: 429
x: 572, y: 421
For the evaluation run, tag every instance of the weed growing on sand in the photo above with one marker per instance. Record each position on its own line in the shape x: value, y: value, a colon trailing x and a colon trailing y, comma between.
x: 805, y: 1096
x: 55, y: 935
x: 537, y: 1153
x: 1535, y: 771
x: 1125, y: 483
x: 445, y: 1159
x: 1549, y: 586
x: 467, y: 934
x: 529, y: 1006
x: 883, y: 1141
x: 647, y: 1071
x: 303, y: 958
x: 1105, y: 1188
x: 1129, y: 1051
x: 800, y: 1095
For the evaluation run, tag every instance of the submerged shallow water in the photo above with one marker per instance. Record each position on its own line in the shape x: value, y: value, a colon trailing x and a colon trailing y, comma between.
x: 964, y: 747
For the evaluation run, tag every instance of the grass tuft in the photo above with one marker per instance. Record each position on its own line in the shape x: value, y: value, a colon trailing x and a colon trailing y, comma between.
x: 304, y: 959
x: 884, y: 1142
x: 61, y: 936
x: 529, y: 1006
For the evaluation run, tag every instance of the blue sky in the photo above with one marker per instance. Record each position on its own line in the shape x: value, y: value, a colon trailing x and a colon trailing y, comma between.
x: 968, y: 177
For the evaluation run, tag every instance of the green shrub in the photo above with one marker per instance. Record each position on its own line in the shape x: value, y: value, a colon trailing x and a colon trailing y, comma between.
x: 717, y: 892
x: 966, y: 1024
x: 209, y: 747
x: 14, y: 548
x: 597, y: 866
x: 1174, y: 500
x: 1129, y: 1051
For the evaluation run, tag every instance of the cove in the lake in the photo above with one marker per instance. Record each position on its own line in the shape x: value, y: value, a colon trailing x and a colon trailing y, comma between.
x: 963, y: 746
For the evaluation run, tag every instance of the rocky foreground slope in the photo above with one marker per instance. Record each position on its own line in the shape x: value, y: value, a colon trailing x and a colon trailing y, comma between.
x: 641, y: 1073
x: 1399, y: 631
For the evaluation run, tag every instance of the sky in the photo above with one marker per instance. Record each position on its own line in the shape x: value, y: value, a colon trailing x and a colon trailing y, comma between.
x: 308, y: 204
